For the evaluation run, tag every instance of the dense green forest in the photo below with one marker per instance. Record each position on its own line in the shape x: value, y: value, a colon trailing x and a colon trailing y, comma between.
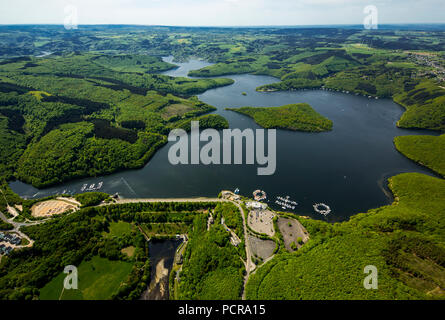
x: 5, y: 226
x: 426, y: 150
x: 91, y: 198
x: 85, y: 236
x: 73, y: 151
x: 212, y: 268
x: 299, y: 116
x: 76, y: 115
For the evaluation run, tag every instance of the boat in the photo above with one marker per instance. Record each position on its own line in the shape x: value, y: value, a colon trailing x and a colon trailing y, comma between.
x: 324, y: 211
x: 259, y: 195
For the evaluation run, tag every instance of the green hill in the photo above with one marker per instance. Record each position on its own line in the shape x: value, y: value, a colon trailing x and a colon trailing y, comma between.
x: 298, y: 116
x: 426, y: 150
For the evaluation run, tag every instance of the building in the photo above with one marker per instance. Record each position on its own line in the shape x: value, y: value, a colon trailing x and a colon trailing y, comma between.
x: 256, y: 205
x: 5, y: 250
x: 230, y: 196
x: 11, y: 238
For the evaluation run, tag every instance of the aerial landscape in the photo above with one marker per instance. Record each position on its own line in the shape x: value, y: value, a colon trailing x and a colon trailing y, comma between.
x: 320, y: 155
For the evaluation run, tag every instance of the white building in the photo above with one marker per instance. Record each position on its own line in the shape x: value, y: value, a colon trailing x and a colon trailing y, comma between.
x: 256, y: 205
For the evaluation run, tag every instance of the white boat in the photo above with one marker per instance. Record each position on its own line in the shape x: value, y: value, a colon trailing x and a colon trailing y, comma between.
x: 83, y: 187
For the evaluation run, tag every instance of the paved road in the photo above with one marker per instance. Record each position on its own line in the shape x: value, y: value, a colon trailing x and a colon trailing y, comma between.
x: 202, y: 199
x: 248, y: 251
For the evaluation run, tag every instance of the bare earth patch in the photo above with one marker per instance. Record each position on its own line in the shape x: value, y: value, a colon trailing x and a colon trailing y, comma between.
x: 261, y: 248
x: 291, y: 230
x: 261, y: 221
x: 129, y: 251
x: 53, y: 207
x: 12, y: 211
x: 175, y: 110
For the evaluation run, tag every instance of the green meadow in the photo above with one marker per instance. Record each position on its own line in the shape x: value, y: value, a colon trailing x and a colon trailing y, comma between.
x: 99, y: 279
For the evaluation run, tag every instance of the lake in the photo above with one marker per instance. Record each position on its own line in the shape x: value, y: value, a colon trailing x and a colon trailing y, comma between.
x: 346, y: 168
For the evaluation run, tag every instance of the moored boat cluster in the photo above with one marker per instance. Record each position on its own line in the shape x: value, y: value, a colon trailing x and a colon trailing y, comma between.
x: 286, y: 203
x: 324, y: 210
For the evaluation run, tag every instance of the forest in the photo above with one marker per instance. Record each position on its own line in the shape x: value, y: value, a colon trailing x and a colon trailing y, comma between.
x: 89, y: 236
x: 292, y: 117
x: 79, y: 115
x: 212, y: 268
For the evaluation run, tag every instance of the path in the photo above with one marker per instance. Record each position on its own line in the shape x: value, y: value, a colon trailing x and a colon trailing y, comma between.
x: 135, y: 200
x: 248, y: 263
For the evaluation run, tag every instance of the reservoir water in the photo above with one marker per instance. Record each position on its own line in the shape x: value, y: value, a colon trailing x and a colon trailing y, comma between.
x: 346, y: 168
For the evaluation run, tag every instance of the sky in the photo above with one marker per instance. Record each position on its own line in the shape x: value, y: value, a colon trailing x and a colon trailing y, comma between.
x: 220, y: 12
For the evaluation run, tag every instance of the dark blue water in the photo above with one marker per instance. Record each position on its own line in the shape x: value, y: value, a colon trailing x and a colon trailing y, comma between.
x: 346, y: 168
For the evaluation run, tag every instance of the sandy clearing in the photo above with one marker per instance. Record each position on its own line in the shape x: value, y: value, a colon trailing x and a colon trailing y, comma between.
x: 262, y: 248
x: 12, y: 211
x: 53, y: 207
x: 292, y: 229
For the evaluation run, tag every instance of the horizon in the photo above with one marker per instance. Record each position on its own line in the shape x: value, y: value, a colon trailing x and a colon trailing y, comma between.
x: 220, y: 13
x: 233, y: 26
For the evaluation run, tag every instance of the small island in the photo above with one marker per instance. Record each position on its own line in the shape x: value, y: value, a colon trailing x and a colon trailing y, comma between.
x: 295, y: 117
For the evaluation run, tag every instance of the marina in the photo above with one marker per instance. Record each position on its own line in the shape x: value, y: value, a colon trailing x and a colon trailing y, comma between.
x: 92, y: 187
x: 286, y: 203
x: 324, y: 210
x: 259, y: 195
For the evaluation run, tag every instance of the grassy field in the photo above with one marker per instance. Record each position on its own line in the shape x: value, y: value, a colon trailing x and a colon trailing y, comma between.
x: 428, y: 151
x: 119, y: 229
x: 299, y: 117
x: 154, y: 229
x: 99, y: 279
